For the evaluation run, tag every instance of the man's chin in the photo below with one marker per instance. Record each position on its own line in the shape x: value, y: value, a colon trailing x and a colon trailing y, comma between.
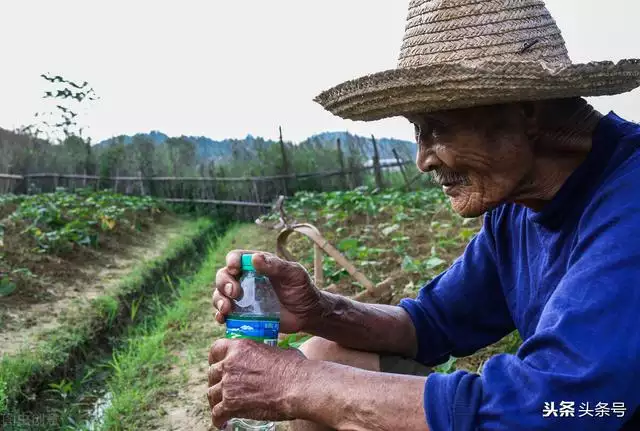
x: 466, y: 207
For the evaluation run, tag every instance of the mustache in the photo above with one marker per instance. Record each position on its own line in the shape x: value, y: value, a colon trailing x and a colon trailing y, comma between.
x: 448, y: 176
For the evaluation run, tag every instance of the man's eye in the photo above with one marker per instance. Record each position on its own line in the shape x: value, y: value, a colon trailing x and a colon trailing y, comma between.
x: 423, y: 132
x: 438, y: 129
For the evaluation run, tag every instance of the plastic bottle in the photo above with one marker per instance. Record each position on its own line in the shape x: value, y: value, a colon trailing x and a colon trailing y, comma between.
x: 255, y: 315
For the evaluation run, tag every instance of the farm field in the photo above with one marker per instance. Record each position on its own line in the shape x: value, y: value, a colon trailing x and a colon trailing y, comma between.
x: 149, y: 370
x: 61, y: 251
x: 75, y: 269
x: 160, y: 381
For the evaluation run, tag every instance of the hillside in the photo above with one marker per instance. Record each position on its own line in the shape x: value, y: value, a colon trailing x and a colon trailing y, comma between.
x: 209, y: 149
x: 157, y: 154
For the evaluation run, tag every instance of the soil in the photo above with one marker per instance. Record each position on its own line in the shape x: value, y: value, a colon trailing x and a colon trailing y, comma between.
x: 62, y: 284
x: 186, y: 409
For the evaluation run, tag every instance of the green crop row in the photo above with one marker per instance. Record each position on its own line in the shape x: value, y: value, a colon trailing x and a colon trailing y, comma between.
x: 61, y: 221
x: 366, y: 201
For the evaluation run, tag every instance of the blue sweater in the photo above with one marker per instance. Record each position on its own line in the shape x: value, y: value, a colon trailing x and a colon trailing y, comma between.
x: 568, y: 279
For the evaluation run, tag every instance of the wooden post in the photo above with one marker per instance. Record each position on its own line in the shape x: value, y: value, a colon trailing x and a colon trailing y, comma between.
x: 115, y: 184
x: 285, y: 164
x: 343, y: 177
x: 355, y: 175
x: 376, y: 164
x: 141, y: 183
x: 256, y: 193
x: 401, y: 166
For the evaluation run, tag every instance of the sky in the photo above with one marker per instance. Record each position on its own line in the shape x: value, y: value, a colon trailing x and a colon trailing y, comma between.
x: 225, y: 69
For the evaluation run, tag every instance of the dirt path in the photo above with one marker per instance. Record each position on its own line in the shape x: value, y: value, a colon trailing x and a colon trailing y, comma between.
x: 183, y: 405
x: 186, y: 409
x: 22, y: 323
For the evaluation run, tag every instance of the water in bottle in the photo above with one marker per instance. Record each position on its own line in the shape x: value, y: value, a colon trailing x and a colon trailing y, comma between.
x: 255, y: 315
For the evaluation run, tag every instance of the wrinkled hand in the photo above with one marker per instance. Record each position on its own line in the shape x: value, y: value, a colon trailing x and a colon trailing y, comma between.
x: 300, y: 300
x: 250, y: 380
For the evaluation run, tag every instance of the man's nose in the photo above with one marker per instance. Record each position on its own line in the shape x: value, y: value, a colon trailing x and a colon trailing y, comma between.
x: 427, y: 160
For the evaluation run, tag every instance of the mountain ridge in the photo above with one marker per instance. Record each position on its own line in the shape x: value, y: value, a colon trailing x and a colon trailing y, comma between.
x: 209, y: 149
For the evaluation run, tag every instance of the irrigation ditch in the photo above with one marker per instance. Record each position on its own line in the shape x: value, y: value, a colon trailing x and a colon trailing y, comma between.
x: 60, y: 383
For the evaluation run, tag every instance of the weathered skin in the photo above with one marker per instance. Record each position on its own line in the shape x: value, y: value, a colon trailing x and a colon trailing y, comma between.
x: 485, y: 156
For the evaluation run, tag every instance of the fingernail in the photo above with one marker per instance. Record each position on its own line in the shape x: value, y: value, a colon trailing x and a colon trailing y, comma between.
x: 228, y: 289
x: 219, y: 304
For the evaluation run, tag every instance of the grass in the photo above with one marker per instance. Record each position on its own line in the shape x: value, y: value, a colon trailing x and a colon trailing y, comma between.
x: 178, y: 336
x: 22, y: 375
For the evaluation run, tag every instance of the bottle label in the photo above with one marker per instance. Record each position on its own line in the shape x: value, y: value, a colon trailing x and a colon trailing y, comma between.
x: 260, y: 329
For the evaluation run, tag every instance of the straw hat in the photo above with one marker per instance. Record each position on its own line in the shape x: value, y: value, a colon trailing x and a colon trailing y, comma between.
x: 464, y: 53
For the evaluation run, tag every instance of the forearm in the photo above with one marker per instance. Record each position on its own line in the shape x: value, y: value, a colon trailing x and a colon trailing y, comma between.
x: 368, y: 327
x: 347, y: 398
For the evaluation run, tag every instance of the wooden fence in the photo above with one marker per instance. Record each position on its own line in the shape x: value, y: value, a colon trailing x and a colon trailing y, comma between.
x: 248, y: 196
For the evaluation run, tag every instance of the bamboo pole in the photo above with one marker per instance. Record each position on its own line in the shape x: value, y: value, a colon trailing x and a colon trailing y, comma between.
x: 404, y: 174
x: 141, y: 183
x: 220, y: 202
x: 343, y: 177
x: 376, y: 164
x: 285, y: 163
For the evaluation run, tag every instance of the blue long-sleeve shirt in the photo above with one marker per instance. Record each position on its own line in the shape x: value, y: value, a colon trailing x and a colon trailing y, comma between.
x: 568, y: 279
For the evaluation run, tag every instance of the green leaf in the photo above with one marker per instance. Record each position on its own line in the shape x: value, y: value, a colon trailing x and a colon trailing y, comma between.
x: 399, y: 217
x: 23, y: 271
x: 434, y: 262
x: 466, y: 234
x: 7, y: 287
x: 448, y: 367
x: 348, y: 244
x: 293, y: 341
x: 409, y: 265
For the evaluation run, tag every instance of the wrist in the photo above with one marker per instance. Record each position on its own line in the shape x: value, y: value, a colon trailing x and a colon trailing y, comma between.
x: 324, y: 308
x: 297, y: 387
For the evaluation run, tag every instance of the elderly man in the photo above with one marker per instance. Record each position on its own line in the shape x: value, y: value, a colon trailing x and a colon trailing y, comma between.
x: 500, y: 122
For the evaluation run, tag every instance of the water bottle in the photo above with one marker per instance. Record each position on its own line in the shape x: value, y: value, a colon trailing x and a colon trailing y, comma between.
x: 255, y: 315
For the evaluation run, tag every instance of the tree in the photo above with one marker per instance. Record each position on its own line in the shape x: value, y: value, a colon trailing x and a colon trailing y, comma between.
x: 78, y: 154
x: 112, y: 157
x: 144, y: 150
x: 182, y: 155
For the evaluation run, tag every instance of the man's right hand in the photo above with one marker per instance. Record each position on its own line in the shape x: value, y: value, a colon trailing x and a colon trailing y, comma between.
x: 300, y: 300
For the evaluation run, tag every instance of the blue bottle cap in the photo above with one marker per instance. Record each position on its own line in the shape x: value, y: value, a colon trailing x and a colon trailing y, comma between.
x: 246, y: 262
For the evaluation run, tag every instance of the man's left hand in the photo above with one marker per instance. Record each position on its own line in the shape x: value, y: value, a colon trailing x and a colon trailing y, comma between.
x: 250, y: 380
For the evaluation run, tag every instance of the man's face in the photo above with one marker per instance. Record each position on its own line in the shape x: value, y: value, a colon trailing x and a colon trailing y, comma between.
x: 480, y: 156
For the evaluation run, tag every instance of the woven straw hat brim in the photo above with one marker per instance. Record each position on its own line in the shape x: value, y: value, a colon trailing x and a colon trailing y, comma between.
x: 444, y: 86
